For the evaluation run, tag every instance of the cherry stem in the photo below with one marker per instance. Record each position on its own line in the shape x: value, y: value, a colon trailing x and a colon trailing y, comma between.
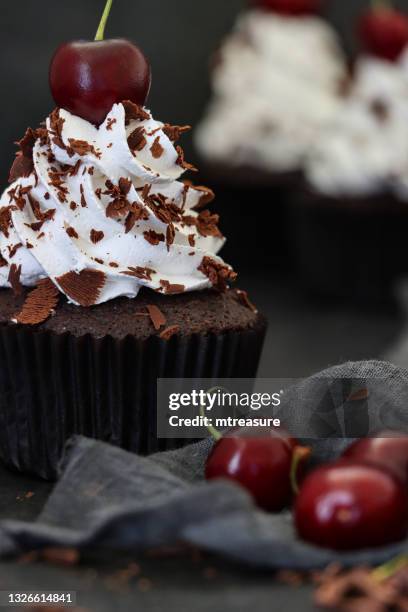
x: 381, y: 4
x: 101, y: 29
x: 214, y: 433
x: 383, y: 572
x: 300, y: 453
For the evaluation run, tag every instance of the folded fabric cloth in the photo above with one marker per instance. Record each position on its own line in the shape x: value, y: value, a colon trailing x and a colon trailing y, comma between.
x: 108, y: 497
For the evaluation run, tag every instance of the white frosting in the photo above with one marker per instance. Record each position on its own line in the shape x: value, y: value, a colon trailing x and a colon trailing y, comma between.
x: 277, y: 83
x: 53, y: 252
x: 365, y: 150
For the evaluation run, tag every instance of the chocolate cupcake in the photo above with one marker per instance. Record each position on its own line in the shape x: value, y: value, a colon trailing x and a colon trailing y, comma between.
x: 278, y: 79
x: 110, y: 279
x: 350, y: 218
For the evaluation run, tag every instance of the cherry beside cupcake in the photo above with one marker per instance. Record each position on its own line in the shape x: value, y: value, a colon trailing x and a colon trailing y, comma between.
x: 109, y: 269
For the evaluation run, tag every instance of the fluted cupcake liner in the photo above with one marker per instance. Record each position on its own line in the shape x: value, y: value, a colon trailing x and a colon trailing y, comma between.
x: 349, y: 248
x: 54, y: 386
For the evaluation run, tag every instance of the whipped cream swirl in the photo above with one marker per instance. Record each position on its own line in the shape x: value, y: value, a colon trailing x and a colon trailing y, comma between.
x: 279, y: 79
x: 365, y: 149
x: 103, y: 212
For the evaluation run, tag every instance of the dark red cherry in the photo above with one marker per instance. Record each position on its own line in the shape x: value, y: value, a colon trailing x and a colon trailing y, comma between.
x: 349, y: 506
x: 261, y: 461
x: 388, y: 450
x: 290, y: 7
x: 384, y: 32
x: 88, y: 77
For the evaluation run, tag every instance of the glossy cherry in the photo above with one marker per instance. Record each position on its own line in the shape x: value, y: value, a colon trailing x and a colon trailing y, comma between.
x: 88, y: 77
x: 384, y: 31
x: 388, y: 450
x: 263, y: 461
x: 349, y: 506
x: 290, y: 7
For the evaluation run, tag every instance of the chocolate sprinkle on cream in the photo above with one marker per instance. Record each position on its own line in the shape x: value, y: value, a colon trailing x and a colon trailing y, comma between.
x: 156, y: 148
x: 39, y: 303
x: 169, y: 332
x: 71, y: 232
x: 217, y: 273
x: 134, y: 112
x: 157, y: 317
x: 14, y: 279
x: 84, y: 288
x: 153, y: 237
x: 182, y: 162
x: 139, y: 272
x: 173, y: 132
x: 81, y: 147
x: 169, y: 289
x: 96, y: 236
x: 47, y: 215
x: 3, y: 262
x: 13, y: 249
x: 137, y: 140
x: 110, y: 122
x: 23, y: 164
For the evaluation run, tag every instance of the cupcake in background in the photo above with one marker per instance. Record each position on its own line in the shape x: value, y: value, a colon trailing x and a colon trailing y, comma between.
x: 278, y: 79
x: 350, y: 220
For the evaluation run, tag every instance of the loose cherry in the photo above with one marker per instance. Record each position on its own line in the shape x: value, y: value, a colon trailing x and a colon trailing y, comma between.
x: 266, y: 462
x: 348, y: 506
x: 384, y: 31
x: 388, y: 450
x: 290, y: 7
x: 88, y: 77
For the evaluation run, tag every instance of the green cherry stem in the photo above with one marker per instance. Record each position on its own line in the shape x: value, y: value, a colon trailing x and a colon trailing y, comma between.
x: 301, y: 453
x: 101, y: 29
x: 379, y: 5
x: 214, y: 433
x: 383, y: 572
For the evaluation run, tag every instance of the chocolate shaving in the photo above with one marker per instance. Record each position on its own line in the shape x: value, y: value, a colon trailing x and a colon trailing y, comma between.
x: 39, y: 304
x: 3, y: 262
x: 81, y: 147
x: 56, y: 125
x: 218, y: 274
x: 153, y: 237
x: 170, y: 289
x: 139, y: 272
x: 170, y: 235
x: 157, y: 317
x: 36, y: 226
x: 73, y: 206
x: 156, y: 148
x: 72, y: 232
x: 96, y: 236
x: 13, y: 249
x: 138, y: 212
x: 191, y: 240
x: 169, y: 332
x: 380, y: 110
x: 206, y: 198
x: 182, y: 162
x: 173, y: 132
x: 134, y: 112
x: 207, y: 224
x: 245, y: 301
x: 124, y: 185
x: 14, y: 279
x: 83, y: 200
x: 47, y: 215
x: 5, y: 219
x: 83, y: 288
x: 23, y: 164
x: 137, y: 140
x: 109, y: 123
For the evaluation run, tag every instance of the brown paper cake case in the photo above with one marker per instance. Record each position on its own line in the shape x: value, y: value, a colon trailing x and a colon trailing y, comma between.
x: 93, y: 371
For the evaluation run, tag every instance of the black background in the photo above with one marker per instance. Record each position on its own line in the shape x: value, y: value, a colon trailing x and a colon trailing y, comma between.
x: 178, y: 36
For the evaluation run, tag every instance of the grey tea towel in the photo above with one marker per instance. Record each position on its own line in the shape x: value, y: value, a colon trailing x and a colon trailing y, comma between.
x: 110, y: 498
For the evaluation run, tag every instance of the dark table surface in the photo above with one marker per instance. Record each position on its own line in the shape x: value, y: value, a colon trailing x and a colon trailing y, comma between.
x: 304, y: 337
